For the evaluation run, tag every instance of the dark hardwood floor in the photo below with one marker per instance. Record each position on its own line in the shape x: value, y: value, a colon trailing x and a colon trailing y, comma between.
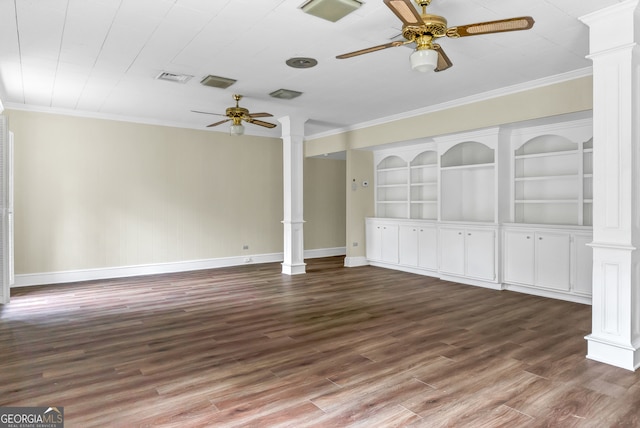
x: 338, y: 347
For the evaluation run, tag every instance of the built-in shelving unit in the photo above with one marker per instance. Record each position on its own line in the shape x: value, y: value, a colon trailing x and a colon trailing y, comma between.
x: 552, y: 178
x: 505, y: 207
x: 467, y: 173
x: 424, y: 186
x: 392, y: 187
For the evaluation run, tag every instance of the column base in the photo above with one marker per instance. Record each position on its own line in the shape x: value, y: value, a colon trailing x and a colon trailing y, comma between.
x: 295, y: 269
x: 616, y: 354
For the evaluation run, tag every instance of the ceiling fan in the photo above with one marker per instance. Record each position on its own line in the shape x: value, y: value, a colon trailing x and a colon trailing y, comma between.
x: 238, y: 114
x: 422, y: 29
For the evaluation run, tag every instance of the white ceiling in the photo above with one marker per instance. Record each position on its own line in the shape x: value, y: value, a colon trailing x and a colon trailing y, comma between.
x: 100, y: 58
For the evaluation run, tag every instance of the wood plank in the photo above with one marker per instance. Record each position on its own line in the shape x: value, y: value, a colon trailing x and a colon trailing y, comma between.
x: 336, y: 347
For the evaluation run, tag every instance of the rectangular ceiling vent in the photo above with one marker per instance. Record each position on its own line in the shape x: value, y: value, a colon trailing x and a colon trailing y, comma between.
x: 172, y: 77
x: 285, y: 94
x: 217, y: 81
x: 331, y: 10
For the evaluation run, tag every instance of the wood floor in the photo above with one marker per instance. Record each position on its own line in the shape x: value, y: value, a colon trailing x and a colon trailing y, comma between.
x: 337, y: 347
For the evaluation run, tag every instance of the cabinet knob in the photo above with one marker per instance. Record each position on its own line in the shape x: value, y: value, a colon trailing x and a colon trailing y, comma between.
x: 414, y: 230
x: 421, y: 230
x: 528, y: 237
x: 459, y: 233
x: 468, y: 234
x: 540, y: 238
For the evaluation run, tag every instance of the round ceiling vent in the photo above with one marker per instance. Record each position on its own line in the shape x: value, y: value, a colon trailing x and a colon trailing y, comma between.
x: 300, y: 62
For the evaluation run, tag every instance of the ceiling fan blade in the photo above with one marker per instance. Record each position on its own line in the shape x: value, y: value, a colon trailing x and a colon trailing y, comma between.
x: 500, y: 26
x: 260, y: 115
x: 405, y: 11
x: 262, y: 123
x: 218, y: 123
x: 443, y: 60
x: 206, y: 112
x: 373, y: 49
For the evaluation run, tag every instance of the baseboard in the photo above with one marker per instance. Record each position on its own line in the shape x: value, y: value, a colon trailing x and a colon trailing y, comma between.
x: 585, y: 300
x: 325, y: 252
x: 26, y: 280
x: 355, y: 261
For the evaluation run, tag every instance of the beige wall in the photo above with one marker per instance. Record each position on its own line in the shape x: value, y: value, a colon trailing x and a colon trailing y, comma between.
x: 93, y: 193
x: 324, y: 203
x: 560, y: 98
x: 359, y: 199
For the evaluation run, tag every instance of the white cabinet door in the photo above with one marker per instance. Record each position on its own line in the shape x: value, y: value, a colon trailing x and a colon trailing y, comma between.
x: 480, y: 253
x: 452, y: 250
x: 583, y: 279
x: 389, y: 243
x: 408, y: 246
x: 428, y: 247
x: 382, y: 242
x: 553, y: 260
x: 519, y: 257
x: 374, y: 241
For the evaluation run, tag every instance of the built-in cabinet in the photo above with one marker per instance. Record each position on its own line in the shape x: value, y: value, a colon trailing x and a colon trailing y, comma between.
x: 469, y: 252
x: 506, y: 207
x: 548, y: 261
x: 382, y: 241
x: 418, y: 246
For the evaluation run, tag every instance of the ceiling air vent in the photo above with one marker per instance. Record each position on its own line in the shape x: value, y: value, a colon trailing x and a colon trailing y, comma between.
x: 331, y: 10
x: 171, y: 77
x: 217, y: 81
x: 285, y: 94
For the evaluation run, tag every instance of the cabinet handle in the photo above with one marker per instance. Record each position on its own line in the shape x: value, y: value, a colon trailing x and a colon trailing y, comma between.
x: 414, y: 230
x: 540, y: 238
x: 459, y: 233
x: 468, y: 234
x: 528, y: 237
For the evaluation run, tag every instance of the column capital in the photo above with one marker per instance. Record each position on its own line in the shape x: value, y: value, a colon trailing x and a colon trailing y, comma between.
x: 292, y: 125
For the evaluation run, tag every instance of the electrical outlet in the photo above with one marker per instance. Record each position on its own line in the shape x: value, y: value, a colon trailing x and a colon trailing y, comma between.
x: 355, y: 244
x: 245, y: 247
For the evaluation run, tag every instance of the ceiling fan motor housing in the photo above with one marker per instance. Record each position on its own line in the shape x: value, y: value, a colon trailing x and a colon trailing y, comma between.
x: 237, y: 112
x: 433, y: 25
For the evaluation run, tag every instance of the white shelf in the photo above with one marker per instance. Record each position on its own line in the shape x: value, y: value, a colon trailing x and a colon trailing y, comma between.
x: 424, y: 202
x: 471, y: 166
x: 403, y: 168
x: 547, y: 201
x: 548, y: 177
x: 389, y: 186
x: 429, y: 183
x: 423, y: 166
x: 547, y: 154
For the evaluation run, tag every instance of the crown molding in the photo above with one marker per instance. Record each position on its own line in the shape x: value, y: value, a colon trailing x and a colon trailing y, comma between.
x: 121, y: 118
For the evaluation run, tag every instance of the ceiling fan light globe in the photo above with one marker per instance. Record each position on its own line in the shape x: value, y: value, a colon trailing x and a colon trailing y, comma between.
x: 236, y: 129
x: 424, y: 60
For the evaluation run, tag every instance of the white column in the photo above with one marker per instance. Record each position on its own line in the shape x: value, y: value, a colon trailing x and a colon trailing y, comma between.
x: 292, y: 162
x: 614, y: 36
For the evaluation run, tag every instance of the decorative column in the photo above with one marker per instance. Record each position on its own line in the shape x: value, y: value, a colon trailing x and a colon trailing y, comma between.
x: 292, y: 162
x: 614, y: 36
